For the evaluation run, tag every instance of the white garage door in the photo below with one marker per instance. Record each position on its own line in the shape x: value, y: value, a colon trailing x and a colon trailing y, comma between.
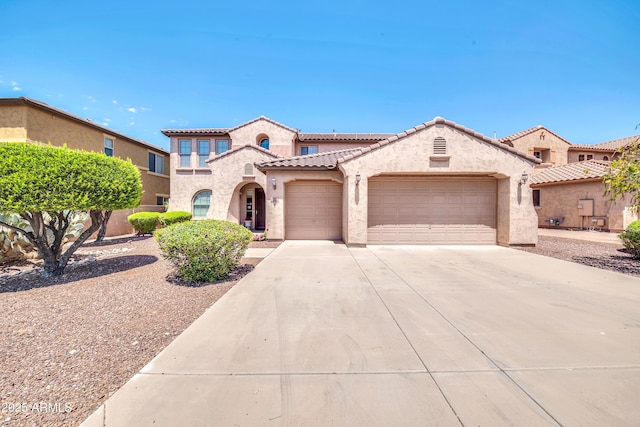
x: 424, y: 210
x: 313, y: 210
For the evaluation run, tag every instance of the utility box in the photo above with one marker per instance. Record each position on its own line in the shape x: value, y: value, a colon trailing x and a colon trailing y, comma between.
x: 585, y: 207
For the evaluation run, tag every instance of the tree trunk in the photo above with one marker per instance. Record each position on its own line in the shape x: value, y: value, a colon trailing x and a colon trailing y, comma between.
x: 103, y: 227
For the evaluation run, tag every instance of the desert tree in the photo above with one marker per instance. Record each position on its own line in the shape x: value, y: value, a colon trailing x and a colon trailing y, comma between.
x: 622, y: 181
x: 46, y: 184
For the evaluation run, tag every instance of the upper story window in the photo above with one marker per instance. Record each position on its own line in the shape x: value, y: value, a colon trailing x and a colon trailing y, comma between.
x: 537, y: 154
x: 156, y: 163
x: 203, y: 152
x: 185, y: 152
x: 580, y: 157
x: 589, y: 156
x: 108, y: 146
x: 439, y: 145
x: 308, y: 149
x: 264, y: 143
x: 605, y: 158
x: 222, y: 145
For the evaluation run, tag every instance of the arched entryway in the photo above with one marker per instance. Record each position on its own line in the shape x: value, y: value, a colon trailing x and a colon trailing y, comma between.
x: 253, y: 207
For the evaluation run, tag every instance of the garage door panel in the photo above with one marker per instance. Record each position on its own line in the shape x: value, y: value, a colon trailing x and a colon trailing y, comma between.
x: 432, y: 210
x: 313, y: 210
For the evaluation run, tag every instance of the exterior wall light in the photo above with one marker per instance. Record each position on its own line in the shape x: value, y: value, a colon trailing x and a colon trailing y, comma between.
x: 524, y: 178
x: 273, y: 183
x: 358, y: 178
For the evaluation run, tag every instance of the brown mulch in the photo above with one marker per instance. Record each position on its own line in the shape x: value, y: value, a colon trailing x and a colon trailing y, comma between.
x: 68, y: 343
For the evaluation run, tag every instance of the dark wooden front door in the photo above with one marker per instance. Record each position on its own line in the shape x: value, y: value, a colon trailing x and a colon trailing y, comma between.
x: 260, y: 209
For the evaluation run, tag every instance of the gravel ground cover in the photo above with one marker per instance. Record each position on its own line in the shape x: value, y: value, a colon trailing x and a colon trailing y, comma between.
x: 595, y: 254
x: 67, y: 344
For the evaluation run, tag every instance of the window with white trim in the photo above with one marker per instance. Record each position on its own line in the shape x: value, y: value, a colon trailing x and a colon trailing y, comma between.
x: 201, y: 203
x: 108, y: 146
x: 308, y: 149
x: 203, y: 152
x: 185, y: 152
x: 222, y: 145
x: 156, y: 163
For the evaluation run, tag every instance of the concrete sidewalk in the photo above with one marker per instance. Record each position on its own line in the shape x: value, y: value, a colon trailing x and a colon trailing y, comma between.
x: 319, y: 334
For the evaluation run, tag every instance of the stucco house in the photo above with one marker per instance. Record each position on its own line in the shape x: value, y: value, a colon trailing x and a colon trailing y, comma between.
x: 436, y: 183
x: 567, y: 186
x: 24, y: 119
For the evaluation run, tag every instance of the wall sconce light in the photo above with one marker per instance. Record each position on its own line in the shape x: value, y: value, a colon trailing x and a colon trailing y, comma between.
x: 273, y: 183
x: 358, y: 178
x: 524, y: 178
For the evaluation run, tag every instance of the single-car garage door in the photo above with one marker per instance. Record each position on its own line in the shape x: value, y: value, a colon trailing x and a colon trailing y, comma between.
x: 430, y: 210
x: 313, y: 210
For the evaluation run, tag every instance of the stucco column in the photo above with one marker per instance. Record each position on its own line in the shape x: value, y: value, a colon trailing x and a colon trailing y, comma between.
x: 274, y: 204
x: 355, y: 211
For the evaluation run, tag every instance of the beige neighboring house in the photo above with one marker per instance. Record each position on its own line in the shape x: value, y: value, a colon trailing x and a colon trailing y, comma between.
x: 436, y: 183
x: 567, y: 186
x: 24, y: 119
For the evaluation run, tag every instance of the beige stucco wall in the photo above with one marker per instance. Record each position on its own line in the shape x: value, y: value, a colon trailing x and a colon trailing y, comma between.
x: 517, y: 221
x: 13, y: 123
x: 276, y: 208
x: 561, y: 200
x: 280, y: 138
x: 573, y: 155
x: 224, y: 177
x: 542, y: 139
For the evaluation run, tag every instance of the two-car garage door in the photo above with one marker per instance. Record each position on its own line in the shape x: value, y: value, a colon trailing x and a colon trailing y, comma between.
x: 430, y: 210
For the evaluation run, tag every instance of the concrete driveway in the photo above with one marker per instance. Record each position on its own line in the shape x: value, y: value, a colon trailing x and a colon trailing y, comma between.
x: 320, y: 334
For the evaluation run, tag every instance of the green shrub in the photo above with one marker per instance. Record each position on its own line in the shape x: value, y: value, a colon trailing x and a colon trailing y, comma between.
x: 144, y: 222
x: 174, y: 217
x: 631, y: 239
x: 204, y: 251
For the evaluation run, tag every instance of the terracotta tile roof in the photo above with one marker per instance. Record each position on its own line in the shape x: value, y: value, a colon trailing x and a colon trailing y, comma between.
x: 518, y: 135
x: 324, y: 161
x: 438, y: 120
x: 607, y: 146
x: 195, y: 131
x: 588, y: 169
x: 87, y: 122
x: 262, y: 118
x: 366, y: 137
x: 242, y: 147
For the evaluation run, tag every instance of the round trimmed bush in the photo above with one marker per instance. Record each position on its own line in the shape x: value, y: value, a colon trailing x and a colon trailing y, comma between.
x: 204, y: 251
x: 144, y: 222
x: 631, y: 239
x: 174, y: 217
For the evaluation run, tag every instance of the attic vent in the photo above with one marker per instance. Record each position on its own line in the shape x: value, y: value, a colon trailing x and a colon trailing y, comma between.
x: 439, y: 145
x: 248, y: 169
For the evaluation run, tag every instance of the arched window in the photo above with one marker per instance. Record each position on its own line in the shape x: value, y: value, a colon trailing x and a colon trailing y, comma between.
x: 248, y: 169
x: 605, y: 158
x: 439, y: 145
x: 264, y: 143
x: 201, y: 203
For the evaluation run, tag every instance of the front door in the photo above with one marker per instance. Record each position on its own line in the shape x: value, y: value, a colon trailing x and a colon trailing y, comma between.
x: 260, y: 209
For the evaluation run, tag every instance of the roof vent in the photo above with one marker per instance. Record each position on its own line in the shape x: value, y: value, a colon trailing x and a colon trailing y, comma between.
x: 439, y: 145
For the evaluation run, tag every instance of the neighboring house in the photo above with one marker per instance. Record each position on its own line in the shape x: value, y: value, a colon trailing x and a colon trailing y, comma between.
x: 540, y: 142
x: 23, y: 119
x: 567, y: 186
x: 572, y: 196
x: 436, y: 183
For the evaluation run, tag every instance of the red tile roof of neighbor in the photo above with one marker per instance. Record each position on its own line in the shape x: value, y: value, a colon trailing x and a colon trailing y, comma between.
x: 607, y: 146
x: 518, y: 135
x: 589, y: 169
x: 195, y: 131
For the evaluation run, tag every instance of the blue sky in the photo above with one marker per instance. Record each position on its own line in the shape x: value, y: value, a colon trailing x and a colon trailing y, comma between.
x: 352, y: 66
